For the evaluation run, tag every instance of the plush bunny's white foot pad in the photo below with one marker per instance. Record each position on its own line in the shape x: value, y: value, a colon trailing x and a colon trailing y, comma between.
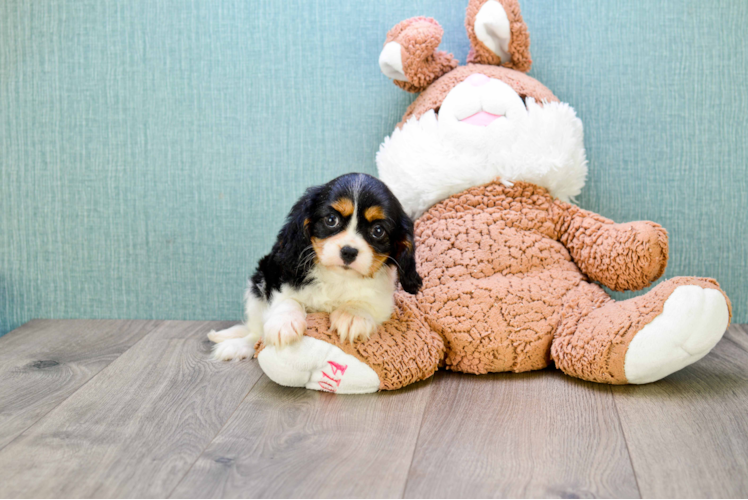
x: 692, y: 321
x: 315, y: 364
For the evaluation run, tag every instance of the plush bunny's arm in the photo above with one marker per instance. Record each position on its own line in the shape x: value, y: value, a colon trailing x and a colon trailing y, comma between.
x: 627, y: 256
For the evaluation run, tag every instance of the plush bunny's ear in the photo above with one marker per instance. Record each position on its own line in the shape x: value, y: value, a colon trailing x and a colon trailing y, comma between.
x: 410, y: 57
x: 497, y: 34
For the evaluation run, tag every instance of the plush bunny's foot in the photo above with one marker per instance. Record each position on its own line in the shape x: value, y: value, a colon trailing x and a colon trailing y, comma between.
x: 315, y: 364
x: 642, y: 339
x: 691, y: 323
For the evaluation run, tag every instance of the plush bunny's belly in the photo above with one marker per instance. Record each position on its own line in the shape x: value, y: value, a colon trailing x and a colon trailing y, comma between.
x: 495, y: 277
x: 500, y: 323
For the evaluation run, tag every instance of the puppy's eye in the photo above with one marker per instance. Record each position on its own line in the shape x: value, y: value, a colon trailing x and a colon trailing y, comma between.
x: 377, y: 232
x: 332, y: 220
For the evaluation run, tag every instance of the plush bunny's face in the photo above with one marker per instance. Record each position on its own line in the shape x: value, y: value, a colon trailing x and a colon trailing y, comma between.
x: 472, y: 124
x: 478, y: 134
x: 481, y: 109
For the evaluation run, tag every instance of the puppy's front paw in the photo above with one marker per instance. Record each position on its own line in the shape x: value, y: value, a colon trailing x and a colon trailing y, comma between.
x: 235, y: 332
x: 233, y: 350
x: 352, y: 327
x: 284, y: 329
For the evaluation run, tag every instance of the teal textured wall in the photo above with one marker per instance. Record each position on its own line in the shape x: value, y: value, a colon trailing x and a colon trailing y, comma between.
x: 149, y: 149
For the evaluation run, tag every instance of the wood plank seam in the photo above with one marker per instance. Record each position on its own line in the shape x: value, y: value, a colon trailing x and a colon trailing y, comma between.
x: 126, y: 429
x: 625, y: 439
x: 691, y: 441
x: 214, y: 436
x: 279, y: 429
x: 156, y: 325
x: 537, y: 434
x: 418, y: 438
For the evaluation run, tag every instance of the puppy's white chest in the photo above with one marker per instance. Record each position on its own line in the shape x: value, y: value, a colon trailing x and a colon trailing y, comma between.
x: 330, y: 290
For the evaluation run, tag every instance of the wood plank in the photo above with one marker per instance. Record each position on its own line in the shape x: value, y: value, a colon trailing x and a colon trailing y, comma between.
x: 539, y: 434
x: 688, y: 434
x: 298, y: 443
x: 136, y: 428
x: 45, y: 361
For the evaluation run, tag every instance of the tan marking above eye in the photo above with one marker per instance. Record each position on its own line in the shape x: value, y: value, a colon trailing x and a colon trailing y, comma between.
x: 344, y: 206
x: 374, y: 213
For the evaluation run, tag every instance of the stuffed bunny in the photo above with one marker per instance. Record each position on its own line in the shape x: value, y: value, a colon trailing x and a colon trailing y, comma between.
x: 487, y: 161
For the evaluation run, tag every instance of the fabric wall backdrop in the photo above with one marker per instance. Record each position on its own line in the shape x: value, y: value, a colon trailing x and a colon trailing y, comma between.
x: 150, y: 149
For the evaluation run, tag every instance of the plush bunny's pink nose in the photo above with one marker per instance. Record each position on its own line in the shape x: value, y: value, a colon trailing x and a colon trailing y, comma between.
x: 477, y: 79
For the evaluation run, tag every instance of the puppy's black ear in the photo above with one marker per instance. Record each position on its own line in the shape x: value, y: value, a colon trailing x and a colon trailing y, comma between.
x: 297, y: 223
x: 406, y: 258
x: 294, y: 237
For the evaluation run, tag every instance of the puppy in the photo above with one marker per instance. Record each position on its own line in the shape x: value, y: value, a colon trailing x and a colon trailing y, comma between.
x: 341, y: 250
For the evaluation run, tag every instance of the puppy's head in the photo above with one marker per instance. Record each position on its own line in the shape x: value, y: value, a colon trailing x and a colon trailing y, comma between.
x: 355, y: 224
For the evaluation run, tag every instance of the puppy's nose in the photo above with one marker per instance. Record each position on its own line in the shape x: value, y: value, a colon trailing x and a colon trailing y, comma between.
x: 348, y: 254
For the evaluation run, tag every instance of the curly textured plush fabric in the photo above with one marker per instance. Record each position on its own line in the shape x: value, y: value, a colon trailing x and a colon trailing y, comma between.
x: 506, y: 288
x: 420, y: 36
x: 626, y: 256
x: 405, y: 350
x: 434, y: 95
x: 519, y: 41
x: 422, y: 63
x: 510, y: 274
x: 595, y: 332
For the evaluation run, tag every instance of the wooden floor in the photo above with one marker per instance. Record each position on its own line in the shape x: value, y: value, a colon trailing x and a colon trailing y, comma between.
x: 136, y: 409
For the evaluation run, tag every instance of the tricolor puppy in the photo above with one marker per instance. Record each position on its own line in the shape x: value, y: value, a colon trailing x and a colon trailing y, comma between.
x: 342, y: 248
